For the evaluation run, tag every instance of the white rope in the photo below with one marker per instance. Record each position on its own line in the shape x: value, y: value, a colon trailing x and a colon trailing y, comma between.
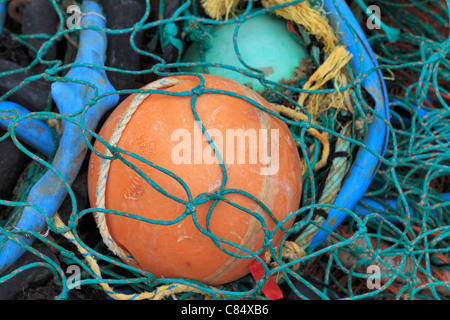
x: 105, y: 165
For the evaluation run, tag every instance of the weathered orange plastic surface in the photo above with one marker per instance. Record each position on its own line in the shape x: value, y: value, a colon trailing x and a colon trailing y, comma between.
x: 181, y: 250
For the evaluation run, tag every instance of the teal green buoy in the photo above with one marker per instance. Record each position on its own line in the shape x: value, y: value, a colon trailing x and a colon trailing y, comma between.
x: 264, y: 43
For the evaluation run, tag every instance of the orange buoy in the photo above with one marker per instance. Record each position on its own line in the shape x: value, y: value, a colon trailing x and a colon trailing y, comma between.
x: 257, y: 151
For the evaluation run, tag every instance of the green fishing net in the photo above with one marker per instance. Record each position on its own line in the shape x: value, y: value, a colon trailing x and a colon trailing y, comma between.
x: 392, y: 245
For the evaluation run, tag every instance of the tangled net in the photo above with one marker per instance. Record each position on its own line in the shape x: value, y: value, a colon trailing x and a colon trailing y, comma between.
x: 399, y: 229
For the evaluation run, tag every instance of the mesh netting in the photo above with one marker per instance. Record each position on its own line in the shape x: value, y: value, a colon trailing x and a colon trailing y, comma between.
x: 373, y: 221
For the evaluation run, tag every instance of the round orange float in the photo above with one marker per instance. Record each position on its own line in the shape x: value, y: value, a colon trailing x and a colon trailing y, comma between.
x: 162, y: 129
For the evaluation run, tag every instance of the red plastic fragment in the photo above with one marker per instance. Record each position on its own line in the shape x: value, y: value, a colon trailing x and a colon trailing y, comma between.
x: 270, y: 289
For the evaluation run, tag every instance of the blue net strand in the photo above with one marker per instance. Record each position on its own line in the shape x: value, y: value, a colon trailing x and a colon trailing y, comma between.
x: 392, y: 244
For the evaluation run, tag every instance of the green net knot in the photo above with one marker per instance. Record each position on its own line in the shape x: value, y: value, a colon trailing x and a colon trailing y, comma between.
x: 169, y: 35
x: 190, y: 208
x: 198, y: 32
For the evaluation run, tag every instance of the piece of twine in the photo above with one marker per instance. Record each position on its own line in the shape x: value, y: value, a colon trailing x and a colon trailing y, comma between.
x: 106, y: 163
